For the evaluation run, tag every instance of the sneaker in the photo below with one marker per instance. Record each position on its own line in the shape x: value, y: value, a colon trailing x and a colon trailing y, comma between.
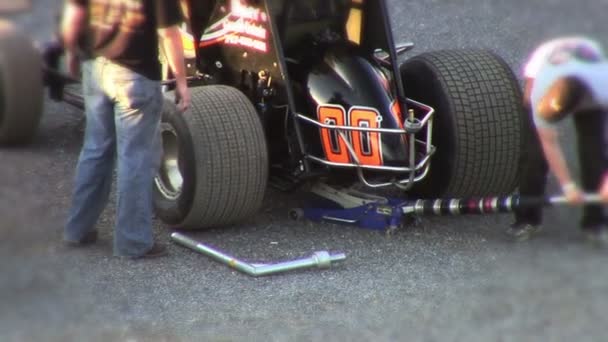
x: 156, y: 251
x: 596, y: 237
x: 523, y: 232
x: 88, y: 239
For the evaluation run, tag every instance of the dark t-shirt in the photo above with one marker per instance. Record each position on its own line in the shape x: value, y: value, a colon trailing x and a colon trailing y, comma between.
x: 124, y: 31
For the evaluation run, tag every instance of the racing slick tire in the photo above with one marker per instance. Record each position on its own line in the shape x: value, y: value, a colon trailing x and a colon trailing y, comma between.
x: 21, y: 88
x: 477, y: 121
x: 214, y: 167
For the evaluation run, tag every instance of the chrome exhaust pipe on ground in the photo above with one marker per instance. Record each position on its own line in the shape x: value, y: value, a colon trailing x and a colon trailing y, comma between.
x: 320, y: 259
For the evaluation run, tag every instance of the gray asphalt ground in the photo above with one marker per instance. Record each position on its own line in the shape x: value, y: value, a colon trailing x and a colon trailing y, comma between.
x: 444, y: 279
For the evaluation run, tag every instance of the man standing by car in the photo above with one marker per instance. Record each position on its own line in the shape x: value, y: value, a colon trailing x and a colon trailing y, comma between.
x: 123, y: 104
x: 565, y: 76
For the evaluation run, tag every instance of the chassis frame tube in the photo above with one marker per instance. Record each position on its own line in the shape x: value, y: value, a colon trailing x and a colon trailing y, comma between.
x: 320, y: 259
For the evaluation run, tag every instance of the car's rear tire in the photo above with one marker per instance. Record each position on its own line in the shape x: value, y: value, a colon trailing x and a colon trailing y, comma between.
x: 21, y: 89
x: 477, y: 124
x: 214, y: 168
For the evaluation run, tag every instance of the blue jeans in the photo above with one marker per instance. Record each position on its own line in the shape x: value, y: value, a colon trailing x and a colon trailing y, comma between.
x: 123, y: 113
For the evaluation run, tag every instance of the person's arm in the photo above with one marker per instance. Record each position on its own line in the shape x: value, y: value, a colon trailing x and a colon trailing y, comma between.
x: 528, y: 83
x: 562, y: 97
x: 171, y: 42
x: 604, y: 188
x: 169, y: 16
x: 72, y: 26
x: 557, y: 163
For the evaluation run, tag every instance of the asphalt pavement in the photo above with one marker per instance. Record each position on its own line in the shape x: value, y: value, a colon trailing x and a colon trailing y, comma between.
x: 442, y: 279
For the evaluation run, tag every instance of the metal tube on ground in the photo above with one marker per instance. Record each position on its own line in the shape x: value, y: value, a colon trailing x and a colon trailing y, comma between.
x: 320, y: 259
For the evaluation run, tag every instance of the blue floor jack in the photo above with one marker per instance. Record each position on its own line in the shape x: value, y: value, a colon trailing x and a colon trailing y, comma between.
x: 351, y: 207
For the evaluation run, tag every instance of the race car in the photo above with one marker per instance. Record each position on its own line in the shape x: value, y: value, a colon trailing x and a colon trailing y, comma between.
x: 294, y: 92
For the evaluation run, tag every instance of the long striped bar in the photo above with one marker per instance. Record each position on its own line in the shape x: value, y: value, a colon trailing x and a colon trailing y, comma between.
x: 485, y: 205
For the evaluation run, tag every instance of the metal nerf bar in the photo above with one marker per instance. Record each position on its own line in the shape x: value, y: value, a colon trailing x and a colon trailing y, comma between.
x: 320, y: 259
x: 485, y: 205
x: 430, y: 111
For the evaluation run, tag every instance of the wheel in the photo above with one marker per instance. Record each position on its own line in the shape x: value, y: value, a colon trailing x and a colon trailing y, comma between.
x: 477, y: 122
x: 214, y: 167
x: 21, y: 89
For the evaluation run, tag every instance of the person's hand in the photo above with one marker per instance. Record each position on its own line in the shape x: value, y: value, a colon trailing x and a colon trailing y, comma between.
x: 573, y: 193
x: 72, y: 64
x: 603, y: 191
x: 183, y: 96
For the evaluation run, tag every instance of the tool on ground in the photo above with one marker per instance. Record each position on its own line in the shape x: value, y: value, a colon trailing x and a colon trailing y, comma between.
x: 320, y: 259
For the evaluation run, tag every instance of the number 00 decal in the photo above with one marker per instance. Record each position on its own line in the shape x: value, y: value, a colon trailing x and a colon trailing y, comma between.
x: 333, y: 145
x: 366, y: 145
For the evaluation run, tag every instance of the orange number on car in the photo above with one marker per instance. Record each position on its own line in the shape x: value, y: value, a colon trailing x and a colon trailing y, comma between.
x: 333, y: 144
x: 366, y: 144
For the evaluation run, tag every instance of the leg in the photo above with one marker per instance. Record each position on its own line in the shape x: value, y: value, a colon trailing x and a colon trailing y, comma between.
x: 590, y: 140
x: 138, y: 104
x: 96, y: 163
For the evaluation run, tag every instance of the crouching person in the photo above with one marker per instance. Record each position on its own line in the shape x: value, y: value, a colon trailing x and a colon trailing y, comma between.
x: 565, y: 77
